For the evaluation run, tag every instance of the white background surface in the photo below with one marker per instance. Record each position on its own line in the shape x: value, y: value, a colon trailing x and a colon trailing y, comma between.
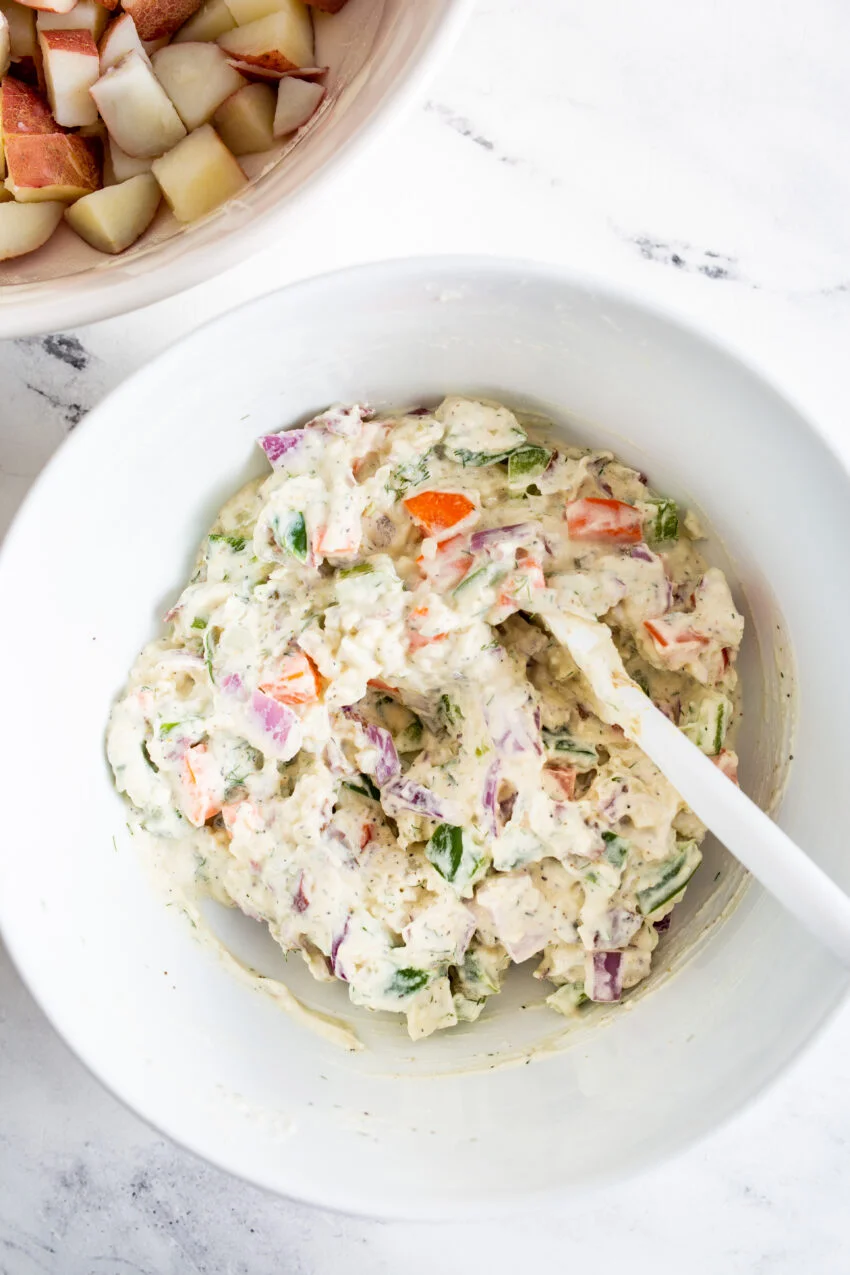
x: 698, y: 154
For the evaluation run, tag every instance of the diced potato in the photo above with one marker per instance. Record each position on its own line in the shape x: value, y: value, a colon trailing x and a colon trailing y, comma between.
x: 120, y: 39
x: 245, y: 11
x: 198, y: 174
x: 57, y: 6
x: 25, y: 227
x: 283, y: 41
x: 48, y: 166
x: 120, y: 166
x: 157, y: 18
x: 86, y: 15
x: 297, y: 101
x: 112, y: 219
x: 23, y: 110
x: 5, y: 44
x: 23, y: 41
x: 244, y: 122
x: 197, y: 77
x: 211, y: 21
x: 71, y: 66
x: 136, y: 109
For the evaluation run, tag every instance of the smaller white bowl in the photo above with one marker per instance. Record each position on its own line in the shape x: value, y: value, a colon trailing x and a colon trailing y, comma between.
x: 102, y: 546
x: 379, y: 52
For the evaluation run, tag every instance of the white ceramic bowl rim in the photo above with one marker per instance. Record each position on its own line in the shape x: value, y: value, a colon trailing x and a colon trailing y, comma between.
x: 100, y: 420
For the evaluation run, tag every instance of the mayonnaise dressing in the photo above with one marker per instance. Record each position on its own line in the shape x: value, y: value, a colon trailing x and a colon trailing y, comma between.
x: 362, y: 732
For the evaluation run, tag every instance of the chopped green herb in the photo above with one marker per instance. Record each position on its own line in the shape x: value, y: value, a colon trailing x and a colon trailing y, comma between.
x: 360, y: 569
x: 404, y: 477
x: 673, y: 876
x: 476, y: 460
x: 665, y: 522
x: 616, y: 849
x: 293, y: 536
x: 526, y: 463
x: 449, y: 712
x: 198, y: 623
x: 210, y: 640
x: 445, y: 850
x: 165, y: 728
x: 707, y: 722
x: 407, y: 981
x: 558, y: 740
x: 236, y: 543
x: 365, y: 787
x: 484, y: 575
x: 148, y: 758
x: 568, y: 999
x: 410, y: 739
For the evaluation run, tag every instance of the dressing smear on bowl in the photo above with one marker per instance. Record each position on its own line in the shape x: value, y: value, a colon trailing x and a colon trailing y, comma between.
x: 360, y: 732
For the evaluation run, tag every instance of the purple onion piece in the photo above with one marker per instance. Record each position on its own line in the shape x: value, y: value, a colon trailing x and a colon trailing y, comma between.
x: 418, y: 411
x: 513, y: 735
x: 489, y: 801
x: 643, y: 553
x: 607, y: 982
x: 610, y: 806
x: 337, y: 943
x: 663, y: 925
x: 520, y: 533
x: 277, y: 721
x: 300, y: 902
x: 387, y: 765
x: 406, y: 794
x: 276, y: 446
x: 232, y: 684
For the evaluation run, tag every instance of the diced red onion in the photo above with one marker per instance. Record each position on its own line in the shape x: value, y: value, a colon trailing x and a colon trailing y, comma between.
x: 607, y: 982
x: 643, y: 553
x: 609, y: 807
x: 387, y: 765
x: 520, y: 533
x: 278, y: 722
x: 515, y: 734
x: 232, y: 684
x: 300, y: 902
x: 276, y: 446
x: 406, y: 794
x: 664, y: 924
x: 335, y: 946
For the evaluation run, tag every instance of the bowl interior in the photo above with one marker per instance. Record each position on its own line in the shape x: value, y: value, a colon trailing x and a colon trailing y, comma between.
x: 373, y: 49
x: 105, y: 542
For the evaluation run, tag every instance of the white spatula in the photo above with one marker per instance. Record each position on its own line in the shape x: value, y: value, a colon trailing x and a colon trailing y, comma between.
x: 745, y: 830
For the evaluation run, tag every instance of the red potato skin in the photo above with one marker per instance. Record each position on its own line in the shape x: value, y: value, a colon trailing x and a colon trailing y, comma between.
x: 70, y: 42
x: 328, y: 6
x: 23, y: 110
x: 36, y: 160
x: 273, y: 60
x: 111, y: 5
x: 157, y: 18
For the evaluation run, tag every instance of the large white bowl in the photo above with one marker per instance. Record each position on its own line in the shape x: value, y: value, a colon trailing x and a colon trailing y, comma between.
x: 104, y: 542
x: 378, y: 53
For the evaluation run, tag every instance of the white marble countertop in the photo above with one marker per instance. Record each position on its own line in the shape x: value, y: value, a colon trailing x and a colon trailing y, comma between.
x: 698, y: 153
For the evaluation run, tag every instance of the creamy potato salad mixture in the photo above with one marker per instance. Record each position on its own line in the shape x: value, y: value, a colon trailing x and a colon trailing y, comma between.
x: 362, y: 730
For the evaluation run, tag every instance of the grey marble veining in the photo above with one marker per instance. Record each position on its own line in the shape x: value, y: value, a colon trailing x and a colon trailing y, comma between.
x: 695, y: 154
